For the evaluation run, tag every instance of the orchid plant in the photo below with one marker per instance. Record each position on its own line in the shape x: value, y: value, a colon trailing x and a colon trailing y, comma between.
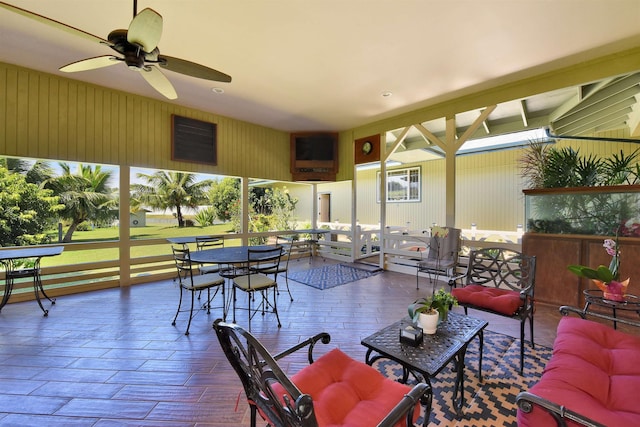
x: 606, y: 278
x: 602, y: 273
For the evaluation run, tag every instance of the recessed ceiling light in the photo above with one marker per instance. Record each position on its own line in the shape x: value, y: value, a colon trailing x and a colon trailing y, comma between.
x: 386, y: 94
x: 217, y: 90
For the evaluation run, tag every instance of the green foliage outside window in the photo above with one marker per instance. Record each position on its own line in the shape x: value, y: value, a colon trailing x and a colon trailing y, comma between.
x: 26, y: 210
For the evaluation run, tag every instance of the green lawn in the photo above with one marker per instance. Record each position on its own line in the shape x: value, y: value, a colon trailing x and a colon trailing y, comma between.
x: 111, y: 233
x: 149, y: 232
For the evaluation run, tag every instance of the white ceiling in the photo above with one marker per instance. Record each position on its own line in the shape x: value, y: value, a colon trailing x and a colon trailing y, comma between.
x: 324, y: 64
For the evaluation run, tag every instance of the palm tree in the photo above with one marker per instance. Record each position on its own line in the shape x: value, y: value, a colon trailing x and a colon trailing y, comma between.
x: 37, y: 173
x: 165, y: 190
x: 86, y: 195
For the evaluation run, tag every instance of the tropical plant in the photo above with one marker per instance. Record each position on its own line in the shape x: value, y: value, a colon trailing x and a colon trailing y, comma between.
x: 26, y: 211
x: 36, y: 173
x: 532, y: 163
x: 86, y: 196
x: 206, y: 216
x: 223, y: 194
x: 621, y: 170
x: 440, y: 302
x: 166, y: 190
x: 547, y: 166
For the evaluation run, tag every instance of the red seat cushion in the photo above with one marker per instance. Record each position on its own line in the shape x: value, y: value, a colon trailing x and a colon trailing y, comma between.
x: 503, y: 301
x: 595, y: 371
x: 346, y: 392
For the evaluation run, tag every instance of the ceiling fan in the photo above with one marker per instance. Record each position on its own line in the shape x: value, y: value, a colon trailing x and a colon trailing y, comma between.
x: 137, y: 48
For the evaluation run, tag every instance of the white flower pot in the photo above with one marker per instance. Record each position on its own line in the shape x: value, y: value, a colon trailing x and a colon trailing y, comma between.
x: 429, y: 322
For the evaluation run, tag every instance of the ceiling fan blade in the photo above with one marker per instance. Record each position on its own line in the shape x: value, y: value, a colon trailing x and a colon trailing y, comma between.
x: 159, y: 81
x: 192, y: 69
x: 91, y: 64
x: 145, y: 29
x: 53, y: 23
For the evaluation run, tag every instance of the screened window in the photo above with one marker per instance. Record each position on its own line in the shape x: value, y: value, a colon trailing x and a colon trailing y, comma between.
x: 403, y: 185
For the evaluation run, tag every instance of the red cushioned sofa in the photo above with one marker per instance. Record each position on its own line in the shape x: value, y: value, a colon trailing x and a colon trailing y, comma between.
x: 591, y: 380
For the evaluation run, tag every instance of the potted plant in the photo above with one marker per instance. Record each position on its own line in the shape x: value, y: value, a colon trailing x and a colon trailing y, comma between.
x: 606, y: 278
x: 429, y: 311
x: 424, y: 312
x: 443, y: 301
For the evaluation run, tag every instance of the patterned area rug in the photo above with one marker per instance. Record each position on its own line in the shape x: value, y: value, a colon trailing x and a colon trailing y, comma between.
x: 330, y: 276
x: 492, y: 402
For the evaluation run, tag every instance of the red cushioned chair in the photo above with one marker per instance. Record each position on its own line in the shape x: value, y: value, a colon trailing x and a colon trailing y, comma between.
x: 502, y: 282
x: 334, y: 390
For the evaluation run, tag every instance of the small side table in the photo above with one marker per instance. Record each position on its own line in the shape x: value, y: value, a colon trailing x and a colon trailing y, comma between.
x: 596, y: 297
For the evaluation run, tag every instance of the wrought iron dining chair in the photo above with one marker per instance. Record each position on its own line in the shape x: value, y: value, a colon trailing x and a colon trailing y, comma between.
x: 259, y: 260
x: 188, y: 281
x: 442, y: 255
x: 209, y: 242
x: 332, y: 390
x: 282, y: 267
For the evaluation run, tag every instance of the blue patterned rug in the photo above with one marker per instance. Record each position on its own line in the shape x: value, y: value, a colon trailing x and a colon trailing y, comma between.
x: 492, y: 402
x: 330, y: 276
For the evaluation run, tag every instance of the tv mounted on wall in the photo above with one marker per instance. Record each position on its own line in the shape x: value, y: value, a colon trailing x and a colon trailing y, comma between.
x: 314, y: 156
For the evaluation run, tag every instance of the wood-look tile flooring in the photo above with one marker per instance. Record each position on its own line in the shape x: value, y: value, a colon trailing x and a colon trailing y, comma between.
x: 112, y: 357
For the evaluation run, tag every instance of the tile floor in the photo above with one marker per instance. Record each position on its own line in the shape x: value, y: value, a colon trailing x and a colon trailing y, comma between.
x: 111, y: 357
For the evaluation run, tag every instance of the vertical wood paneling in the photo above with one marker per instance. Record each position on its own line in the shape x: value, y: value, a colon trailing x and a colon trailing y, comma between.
x: 32, y: 113
x: 10, y: 109
x: 4, y: 100
x: 63, y: 119
x: 81, y: 122
x: 22, y: 109
x: 42, y: 138
x: 53, y: 128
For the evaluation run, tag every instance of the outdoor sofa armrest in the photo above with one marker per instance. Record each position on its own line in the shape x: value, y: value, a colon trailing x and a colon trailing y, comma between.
x: 420, y: 392
x: 526, y: 402
x: 566, y: 310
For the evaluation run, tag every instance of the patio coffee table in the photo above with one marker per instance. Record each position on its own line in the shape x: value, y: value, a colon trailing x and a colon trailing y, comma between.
x: 435, y: 352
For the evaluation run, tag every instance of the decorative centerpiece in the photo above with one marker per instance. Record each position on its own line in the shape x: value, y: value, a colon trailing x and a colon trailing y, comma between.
x: 430, y: 311
x: 606, y: 279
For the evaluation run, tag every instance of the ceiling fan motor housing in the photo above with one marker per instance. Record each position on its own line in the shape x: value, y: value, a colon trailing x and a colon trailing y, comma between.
x: 133, y: 55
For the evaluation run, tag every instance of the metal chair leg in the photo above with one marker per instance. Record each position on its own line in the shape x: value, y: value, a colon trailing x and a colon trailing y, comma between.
x: 178, y: 311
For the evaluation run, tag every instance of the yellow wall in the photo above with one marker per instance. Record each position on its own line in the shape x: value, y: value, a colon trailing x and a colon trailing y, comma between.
x: 341, y: 200
x: 50, y: 117
x: 488, y: 188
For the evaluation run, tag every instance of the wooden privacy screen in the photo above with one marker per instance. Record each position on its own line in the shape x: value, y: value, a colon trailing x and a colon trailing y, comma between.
x: 193, y: 140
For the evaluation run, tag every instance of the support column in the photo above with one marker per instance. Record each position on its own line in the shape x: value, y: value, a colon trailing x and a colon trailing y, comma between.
x: 124, y: 247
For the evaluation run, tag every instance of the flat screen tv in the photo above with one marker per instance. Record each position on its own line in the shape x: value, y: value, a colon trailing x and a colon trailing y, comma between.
x: 314, y: 156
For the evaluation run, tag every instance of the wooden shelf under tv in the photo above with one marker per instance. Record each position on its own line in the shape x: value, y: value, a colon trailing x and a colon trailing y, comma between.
x: 313, y: 174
